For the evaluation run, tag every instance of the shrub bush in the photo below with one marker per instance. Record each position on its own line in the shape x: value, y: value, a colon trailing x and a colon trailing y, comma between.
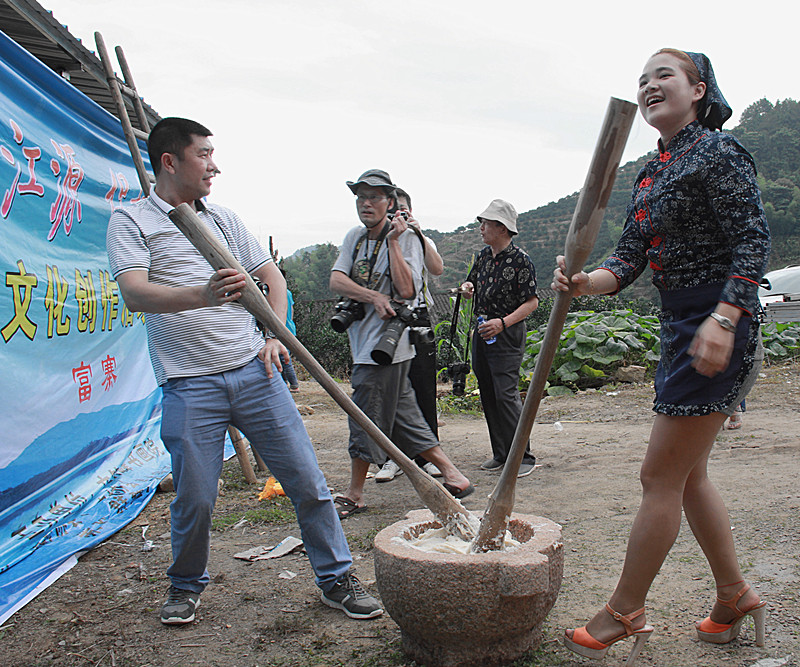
x: 781, y: 341
x: 330, y: 349
x: 593, y: 345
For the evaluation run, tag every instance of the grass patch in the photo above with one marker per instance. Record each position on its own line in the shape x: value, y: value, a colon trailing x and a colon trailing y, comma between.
x: 274, y: 512
x: 365, y: 541
x: 233, y: 477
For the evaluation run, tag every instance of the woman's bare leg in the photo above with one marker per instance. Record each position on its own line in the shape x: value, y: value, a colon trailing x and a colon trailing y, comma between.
x: 677, y: 446
x: 708, y: 518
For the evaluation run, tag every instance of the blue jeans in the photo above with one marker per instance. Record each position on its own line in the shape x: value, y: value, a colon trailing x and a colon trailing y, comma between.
x: 288, y: 372
x: 196, y: 415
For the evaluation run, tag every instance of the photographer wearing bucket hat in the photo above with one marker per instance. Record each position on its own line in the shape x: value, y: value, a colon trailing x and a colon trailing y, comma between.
x: 503, y: 282
x: 381, y: 261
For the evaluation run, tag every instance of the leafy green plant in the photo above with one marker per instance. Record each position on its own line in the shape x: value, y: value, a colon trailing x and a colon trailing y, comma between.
x: 469, y: 403
x: 592, y: 303
x: 781, y: 340
x: 446, y: 351
x: 593, y: 345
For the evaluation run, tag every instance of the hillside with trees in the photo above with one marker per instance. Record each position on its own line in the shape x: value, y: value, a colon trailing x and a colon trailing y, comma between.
x: 771, y: 132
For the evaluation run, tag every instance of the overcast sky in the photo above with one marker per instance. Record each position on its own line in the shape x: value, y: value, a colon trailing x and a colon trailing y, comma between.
x: 461, y: 101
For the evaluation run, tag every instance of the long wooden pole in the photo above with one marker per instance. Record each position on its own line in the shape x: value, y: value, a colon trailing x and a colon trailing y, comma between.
x: 240, y: 447
x: 137, y: 101
x: 453, y: 516
x: 130, y: 136
x: 580, y: 241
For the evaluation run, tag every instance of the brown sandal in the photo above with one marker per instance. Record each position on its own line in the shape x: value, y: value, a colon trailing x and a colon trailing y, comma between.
x: 346, y: 507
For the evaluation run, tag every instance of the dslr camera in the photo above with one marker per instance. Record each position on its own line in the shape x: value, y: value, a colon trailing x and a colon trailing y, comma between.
x: 383, y: 353
x: 347, y: 312
x: 458, y: 374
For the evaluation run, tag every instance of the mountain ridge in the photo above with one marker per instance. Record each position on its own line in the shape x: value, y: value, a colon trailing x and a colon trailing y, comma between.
x: 771, y: 132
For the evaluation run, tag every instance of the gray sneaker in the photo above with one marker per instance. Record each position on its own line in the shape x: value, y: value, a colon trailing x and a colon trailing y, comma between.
x: 180, y: 606
x: 492, y: 464
x: 525, y: 469
x: 349, y: 595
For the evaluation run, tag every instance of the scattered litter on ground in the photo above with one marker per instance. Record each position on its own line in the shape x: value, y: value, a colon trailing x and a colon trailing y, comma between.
x: 239, y: 524
x: 271, y: 489
x: 286, y: 546
x: 773, y: 662
x: 148, y: 544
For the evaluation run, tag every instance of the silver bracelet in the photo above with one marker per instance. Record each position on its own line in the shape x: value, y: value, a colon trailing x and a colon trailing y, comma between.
x: 724, y: 322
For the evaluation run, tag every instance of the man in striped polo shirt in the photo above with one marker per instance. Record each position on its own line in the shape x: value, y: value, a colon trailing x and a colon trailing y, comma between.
x: 216, y: 369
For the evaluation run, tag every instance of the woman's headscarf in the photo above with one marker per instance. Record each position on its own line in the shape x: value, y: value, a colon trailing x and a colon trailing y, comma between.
x: 713, y: 110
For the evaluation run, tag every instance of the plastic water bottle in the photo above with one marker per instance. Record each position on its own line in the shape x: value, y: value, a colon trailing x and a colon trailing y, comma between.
x: 482, y: 320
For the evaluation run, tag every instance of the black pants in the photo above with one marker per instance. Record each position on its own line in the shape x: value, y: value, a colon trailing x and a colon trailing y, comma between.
x: 423, y: 380
x: 497, y: 368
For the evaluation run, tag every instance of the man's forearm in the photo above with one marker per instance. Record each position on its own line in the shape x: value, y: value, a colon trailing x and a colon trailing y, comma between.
x: 433, y: 260
x: 522, y: 312
x: 343, y: 284
x: 142, y: 296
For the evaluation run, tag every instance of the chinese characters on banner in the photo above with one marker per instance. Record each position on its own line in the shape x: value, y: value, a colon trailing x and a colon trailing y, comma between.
x: 64, y: 209
x: 81, y: 452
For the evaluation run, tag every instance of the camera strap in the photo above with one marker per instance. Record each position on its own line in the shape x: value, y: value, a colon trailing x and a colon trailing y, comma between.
x: 424, y: 287
x: 374, y: 256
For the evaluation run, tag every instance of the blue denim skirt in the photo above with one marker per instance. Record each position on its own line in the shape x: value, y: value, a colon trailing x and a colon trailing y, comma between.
x: 680, y: 389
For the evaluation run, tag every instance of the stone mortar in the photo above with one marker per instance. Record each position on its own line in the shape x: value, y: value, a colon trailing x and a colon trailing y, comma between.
x: 457, y: 610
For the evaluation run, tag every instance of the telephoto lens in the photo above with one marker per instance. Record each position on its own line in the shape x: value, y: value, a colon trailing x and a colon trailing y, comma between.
x: 383, y: 353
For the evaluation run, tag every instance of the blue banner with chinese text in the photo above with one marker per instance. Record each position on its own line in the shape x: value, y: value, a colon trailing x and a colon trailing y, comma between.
x: 80, y: 453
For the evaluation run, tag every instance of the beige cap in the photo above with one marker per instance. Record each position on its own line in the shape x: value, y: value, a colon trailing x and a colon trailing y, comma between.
x: 503, y: 212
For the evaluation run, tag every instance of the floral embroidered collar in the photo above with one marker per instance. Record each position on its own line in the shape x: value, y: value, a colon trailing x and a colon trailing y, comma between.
x: 681, y: 141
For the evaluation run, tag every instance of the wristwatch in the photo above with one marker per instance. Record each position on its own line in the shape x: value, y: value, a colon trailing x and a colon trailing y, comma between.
x: 723, y: 321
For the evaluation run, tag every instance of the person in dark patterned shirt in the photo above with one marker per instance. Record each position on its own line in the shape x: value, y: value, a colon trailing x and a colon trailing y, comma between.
x: 503, y: 280
x: 696, y: 219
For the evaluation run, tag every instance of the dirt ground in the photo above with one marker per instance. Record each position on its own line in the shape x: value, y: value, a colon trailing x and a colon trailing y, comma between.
x: 104, y: 611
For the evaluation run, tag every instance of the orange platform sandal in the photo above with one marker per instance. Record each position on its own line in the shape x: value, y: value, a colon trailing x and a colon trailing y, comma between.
x: 722, y: 633
x: 582, y: 643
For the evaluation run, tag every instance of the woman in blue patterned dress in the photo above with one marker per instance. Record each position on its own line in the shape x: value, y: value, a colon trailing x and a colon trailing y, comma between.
x: 696, y: 218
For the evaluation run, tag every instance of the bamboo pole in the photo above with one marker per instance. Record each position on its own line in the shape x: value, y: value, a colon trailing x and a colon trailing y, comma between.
x: 453, y: 516
x: 240, y: 446
x: 137, y: 101
x: 580, y: 240
x: 122, y: 111
x: 259, y: 461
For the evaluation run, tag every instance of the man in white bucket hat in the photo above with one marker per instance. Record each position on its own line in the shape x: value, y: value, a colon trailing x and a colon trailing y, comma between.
x: 503, y: 281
